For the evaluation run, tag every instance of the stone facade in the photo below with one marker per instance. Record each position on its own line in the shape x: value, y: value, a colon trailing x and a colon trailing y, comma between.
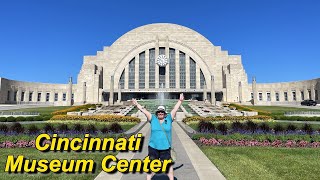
x: 128, y: 69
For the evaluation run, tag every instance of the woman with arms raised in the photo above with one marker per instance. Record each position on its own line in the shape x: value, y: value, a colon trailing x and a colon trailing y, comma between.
x: 161, y: 129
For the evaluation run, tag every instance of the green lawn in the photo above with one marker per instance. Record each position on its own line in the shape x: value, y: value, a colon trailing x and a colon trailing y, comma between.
x: 32, y: 153
x: 280, y: 110
x: 41, y: 110
x: 265, y: 163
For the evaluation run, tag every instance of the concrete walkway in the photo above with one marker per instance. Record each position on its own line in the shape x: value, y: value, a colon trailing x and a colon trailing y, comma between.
x: 191, y: 163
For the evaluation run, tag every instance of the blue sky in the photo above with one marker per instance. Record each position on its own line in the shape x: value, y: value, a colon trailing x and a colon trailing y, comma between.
x: 45, y: 41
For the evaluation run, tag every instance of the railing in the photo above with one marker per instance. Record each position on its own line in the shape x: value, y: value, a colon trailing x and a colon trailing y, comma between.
x: 6, y: 113
x: 299, y: 113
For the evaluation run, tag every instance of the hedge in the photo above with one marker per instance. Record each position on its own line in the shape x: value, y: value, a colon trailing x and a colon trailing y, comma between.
x: 105, y: 118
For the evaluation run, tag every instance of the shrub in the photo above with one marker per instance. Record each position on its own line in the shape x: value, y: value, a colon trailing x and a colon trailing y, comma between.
x: 38, y: 118
x: 78, y: 127
x: 46, y: 117
x: 206, y: 127
x: 33, y: 129
x: 20, y: 118
x: 91, y: 128
x: 116, y: 128
x: 237, y: 126
x: 11, y: 119
x: 105, y: 129
x: 251, y: 126
x: 264, y: 127
x: 307, y: 128
x: 63, y: 127
x: 3, y: 119
x: 4, y: 128
x: 291, y: 127
x: 278, y: 128
x: 16, y: 127
x: 29, y: 118
x: 222, y: 127
x: 48, y: 128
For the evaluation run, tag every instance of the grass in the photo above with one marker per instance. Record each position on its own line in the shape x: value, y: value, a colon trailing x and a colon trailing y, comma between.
x: 280, y: 110
x: 265, y: 163
x: 41, y: 110
x: 32, y: 153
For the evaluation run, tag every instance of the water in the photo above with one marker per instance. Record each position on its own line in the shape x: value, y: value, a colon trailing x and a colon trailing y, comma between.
x: 161, y: 96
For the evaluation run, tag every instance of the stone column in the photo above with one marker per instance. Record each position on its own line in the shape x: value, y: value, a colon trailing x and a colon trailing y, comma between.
x: 281, y: 96
x: 147, y: 63
x: 213, y: 91
x: 111, y: 91
x: 187, y: 72
x: 126, y: 77
x: 205, y: 96
x: 313, y: 94
x: 26, y: 95
x: 254, y: 90
x: 240, y: 92
x: 19, y: 95
x: 35, y: 96
x: 119, y: 94
x: 69, y: 95
x: 298, y: 94
x: 305, y: 92
x: 84, y: 92
x: 51, y: 96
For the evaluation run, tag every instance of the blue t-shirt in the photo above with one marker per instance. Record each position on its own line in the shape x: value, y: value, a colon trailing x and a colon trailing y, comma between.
x: 158, y: 139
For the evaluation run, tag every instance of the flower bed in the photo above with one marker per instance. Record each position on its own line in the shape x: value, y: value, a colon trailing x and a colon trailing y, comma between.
x: 265, y: 143
x: 74, y: 108
x: 104, y: 118
x: 226, y: 118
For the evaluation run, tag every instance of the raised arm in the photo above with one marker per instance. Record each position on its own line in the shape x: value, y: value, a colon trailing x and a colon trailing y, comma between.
x: 176, y: 107
x: 143, y: 110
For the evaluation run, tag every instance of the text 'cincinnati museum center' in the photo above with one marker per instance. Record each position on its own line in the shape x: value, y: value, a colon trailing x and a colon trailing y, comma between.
x: 159, y: 58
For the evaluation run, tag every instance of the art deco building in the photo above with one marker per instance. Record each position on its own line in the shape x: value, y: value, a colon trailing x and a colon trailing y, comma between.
x: 155, y: 58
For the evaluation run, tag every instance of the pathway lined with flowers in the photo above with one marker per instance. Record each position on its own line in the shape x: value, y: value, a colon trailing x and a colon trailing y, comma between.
x: 191, y: 163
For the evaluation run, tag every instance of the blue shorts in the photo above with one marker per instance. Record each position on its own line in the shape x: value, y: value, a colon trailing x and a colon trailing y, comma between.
x: 159, y: 154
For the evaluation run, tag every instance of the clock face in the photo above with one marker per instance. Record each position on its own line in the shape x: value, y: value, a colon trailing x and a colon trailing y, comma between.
x: 162, y: 60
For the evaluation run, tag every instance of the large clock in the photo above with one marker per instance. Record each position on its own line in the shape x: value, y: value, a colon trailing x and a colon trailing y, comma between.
x: 162, y: 60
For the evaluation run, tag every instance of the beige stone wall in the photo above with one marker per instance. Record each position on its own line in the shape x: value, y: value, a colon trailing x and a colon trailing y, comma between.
x: 27, y: 87
x: 307, y: 87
